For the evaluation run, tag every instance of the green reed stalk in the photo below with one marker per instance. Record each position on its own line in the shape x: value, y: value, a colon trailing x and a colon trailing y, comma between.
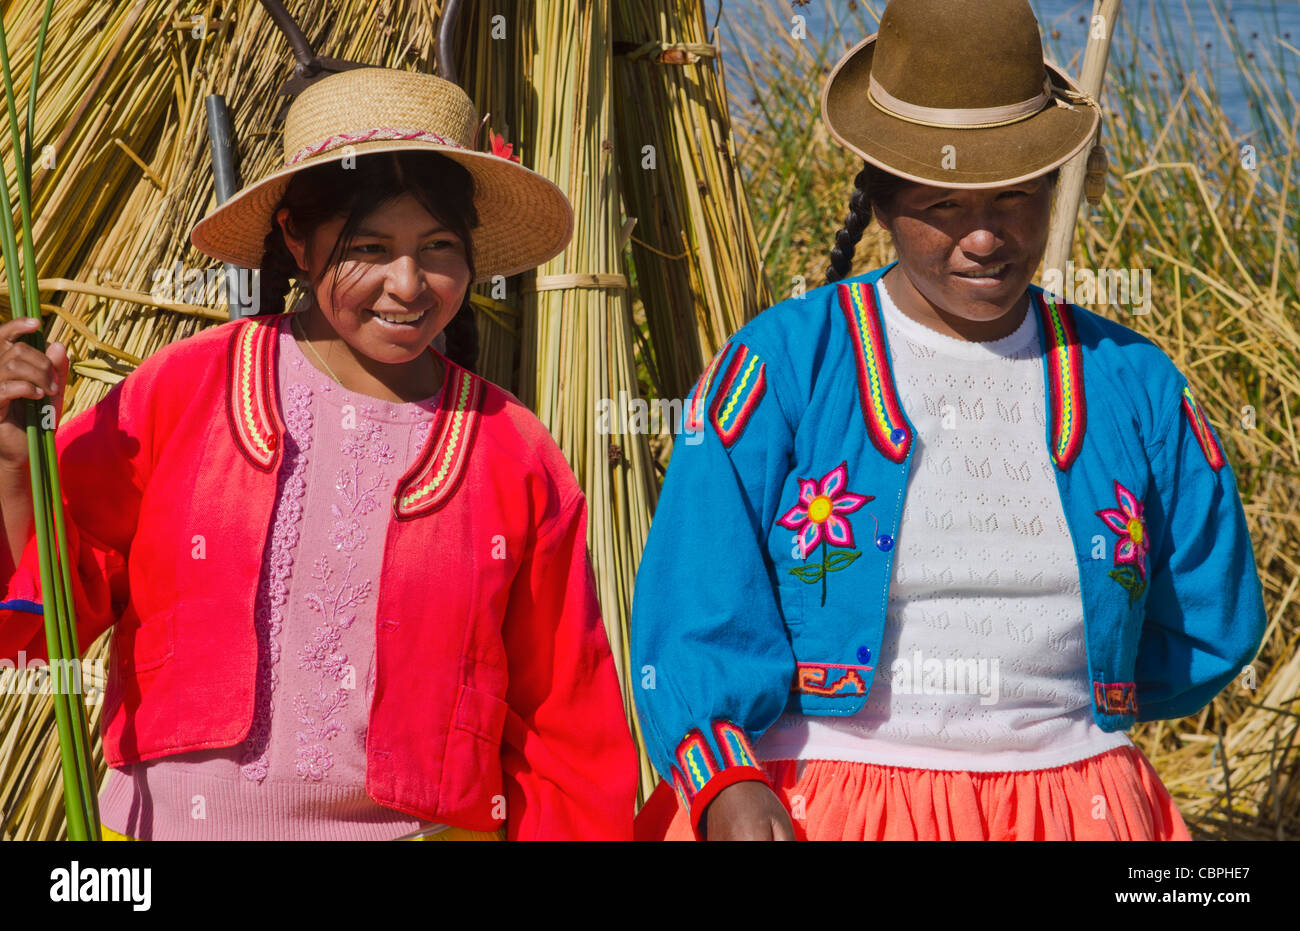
x: 80, y: 802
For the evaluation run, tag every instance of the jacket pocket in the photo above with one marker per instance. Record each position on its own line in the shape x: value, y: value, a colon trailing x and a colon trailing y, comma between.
x: 471, y: 769
x: 145, y: 643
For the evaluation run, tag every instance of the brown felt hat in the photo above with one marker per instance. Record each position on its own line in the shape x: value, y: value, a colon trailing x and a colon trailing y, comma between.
x: 956, y: 94
x: 524, y: 219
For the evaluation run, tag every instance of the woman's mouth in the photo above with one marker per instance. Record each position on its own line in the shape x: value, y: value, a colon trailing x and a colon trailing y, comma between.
x: 395, y: 321
x: 986, y: 277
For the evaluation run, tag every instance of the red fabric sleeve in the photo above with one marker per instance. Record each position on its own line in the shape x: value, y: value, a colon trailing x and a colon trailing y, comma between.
x: 102, y: 454
x: 569, y: 762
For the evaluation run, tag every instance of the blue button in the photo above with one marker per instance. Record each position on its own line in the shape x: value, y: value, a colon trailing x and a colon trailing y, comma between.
x: 898, y: 435
x: 864, y: 655
x: 885, y: 542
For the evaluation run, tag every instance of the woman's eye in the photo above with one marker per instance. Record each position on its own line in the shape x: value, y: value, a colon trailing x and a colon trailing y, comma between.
x: 367, y: 247
x: 443, y: 244
x: 942, y: 205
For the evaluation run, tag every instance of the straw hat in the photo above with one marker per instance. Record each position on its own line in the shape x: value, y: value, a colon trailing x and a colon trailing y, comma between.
x: 957, y: 95
x: 524, y: 219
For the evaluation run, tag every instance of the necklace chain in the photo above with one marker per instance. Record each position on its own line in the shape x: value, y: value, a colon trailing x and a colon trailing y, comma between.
x: 314, y: 352
x: 294, y: 319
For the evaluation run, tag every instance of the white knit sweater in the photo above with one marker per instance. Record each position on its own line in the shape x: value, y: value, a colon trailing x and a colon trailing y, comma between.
x: 982, y: 667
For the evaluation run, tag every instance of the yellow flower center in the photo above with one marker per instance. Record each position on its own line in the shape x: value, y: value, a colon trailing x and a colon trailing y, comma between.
x: 1135, y: 531
x: 819, y: 509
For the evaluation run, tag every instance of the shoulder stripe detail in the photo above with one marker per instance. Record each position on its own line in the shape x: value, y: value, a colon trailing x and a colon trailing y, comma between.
x: 434, y: 477
x: 886, y: 424
x: 738, y: 394
x: 1204, y: 432
x: 1065, y: 379
x: 695, y: 401
x: 251, y: 407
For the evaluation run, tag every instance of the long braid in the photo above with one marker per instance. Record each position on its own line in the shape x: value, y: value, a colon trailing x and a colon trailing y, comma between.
x: 846, y: 240
x: 462, y: 337
x: 277, y: 268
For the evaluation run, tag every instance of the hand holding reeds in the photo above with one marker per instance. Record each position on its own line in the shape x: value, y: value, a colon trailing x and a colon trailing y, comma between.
x: 40, y: 419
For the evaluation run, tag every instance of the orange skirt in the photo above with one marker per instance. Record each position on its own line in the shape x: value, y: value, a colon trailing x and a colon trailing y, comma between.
x: 1115, y: 795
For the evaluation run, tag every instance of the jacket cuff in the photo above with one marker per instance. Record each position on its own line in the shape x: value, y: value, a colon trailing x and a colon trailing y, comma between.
x: 705, y: 767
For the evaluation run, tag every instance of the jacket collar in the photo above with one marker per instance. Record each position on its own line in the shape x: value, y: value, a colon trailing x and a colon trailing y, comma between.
x: 253, y: 414
x: 887, y: 423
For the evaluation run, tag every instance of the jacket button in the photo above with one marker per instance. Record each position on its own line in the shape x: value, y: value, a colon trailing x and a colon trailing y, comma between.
x: 885, y: 542
x: 272, y: 442
x: 864, y: 655
x: 898, y: 435
x: 388, y: 624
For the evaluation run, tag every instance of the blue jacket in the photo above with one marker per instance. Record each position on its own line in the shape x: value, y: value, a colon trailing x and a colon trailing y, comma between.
x: 805, y: 448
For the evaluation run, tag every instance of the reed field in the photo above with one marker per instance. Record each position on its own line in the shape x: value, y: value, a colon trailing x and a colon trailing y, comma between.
x: 704, y: 188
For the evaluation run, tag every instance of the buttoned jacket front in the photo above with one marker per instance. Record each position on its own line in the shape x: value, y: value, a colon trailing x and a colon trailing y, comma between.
x: 495, y: 692
x: 729, y: 628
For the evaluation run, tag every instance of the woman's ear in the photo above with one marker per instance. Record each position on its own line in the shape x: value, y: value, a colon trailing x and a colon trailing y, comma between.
x: 297, y: 247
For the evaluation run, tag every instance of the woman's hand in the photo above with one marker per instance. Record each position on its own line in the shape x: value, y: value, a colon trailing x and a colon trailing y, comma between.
x: 747, y: 810
x: 26, y: 372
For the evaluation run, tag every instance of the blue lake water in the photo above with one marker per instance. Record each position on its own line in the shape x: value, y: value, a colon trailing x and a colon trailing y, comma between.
x: 1191, y: 34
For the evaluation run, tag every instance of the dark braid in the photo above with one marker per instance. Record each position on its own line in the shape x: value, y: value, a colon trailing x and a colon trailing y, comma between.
x: 846, y: 240
x: 277, y: 268
x: 462, y: 337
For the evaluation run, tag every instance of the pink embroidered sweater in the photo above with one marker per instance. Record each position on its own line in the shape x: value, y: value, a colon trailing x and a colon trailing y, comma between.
x: 300, y: 774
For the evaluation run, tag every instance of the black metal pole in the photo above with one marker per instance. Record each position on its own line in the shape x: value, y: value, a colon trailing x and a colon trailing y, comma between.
x: 226, y: 183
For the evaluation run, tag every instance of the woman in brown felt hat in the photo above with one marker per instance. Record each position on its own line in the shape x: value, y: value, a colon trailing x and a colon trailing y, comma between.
x: 348, y: 577
x: 946, y: 537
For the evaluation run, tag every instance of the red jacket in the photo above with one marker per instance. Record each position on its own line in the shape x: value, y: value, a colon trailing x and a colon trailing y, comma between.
x: 494, y: 679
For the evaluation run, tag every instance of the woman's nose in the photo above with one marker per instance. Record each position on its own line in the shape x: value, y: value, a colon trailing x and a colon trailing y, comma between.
x: 404, y: 279
x: 983, y: 238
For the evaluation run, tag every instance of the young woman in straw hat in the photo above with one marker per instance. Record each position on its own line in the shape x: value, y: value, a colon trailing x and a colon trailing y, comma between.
x: 946, y: 537
x: 348, y: 577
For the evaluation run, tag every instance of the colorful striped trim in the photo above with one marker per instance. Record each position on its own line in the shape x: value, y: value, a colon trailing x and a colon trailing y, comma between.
x: 251, y: 407
x: 695, y: 766
x: 736, y: 750
x: 369, y: 135
x: 886, y: 424
x: 1204, y: 432
x: 738, y: 394
x: 1065, y: 378
x: 1115, y: 697
x: 434, y: 477
x: 695, y: 401
x: 816, y: 679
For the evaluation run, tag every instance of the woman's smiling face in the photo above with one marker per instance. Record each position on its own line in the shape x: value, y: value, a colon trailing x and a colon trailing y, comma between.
x: 970, y: 253
x: 401, y: 263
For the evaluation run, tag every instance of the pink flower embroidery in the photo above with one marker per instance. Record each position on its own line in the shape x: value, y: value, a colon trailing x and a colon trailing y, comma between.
x: 502, y: 148
x: 817, y: 516
x: 1133, y: 544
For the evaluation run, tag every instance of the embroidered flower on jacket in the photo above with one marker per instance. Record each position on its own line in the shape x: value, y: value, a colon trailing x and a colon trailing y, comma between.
x: 1132, y: 546
x: 819, y: 518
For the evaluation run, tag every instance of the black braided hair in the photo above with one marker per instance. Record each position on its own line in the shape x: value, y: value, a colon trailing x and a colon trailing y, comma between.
x: 277, y: 269
x: 323, y: 192
x: 846, y: 240
x: 872, y: 185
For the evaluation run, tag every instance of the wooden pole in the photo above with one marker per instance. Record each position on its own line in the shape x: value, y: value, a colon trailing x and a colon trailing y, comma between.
x: 1069, y: 188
